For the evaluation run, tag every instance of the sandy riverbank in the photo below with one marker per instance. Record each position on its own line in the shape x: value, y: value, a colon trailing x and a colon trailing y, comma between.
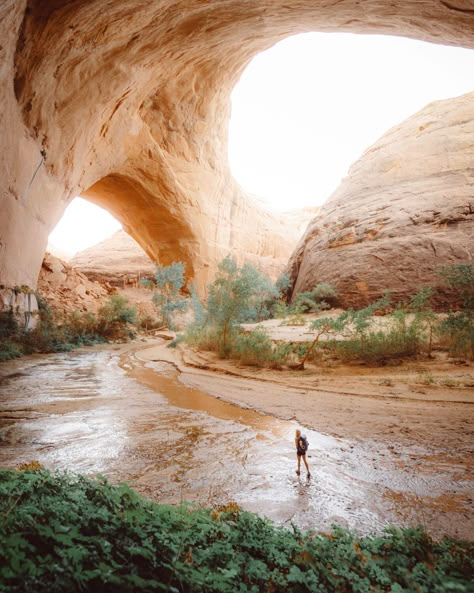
x: 430, y: 403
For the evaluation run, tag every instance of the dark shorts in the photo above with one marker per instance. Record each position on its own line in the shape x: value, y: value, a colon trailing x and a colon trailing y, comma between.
x: 300, y: 452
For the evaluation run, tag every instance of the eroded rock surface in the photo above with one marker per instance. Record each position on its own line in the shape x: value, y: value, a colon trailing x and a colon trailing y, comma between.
x: 405, y: 207
x: 118, y: 260
x: 127, y: 103
x: 68, y: 289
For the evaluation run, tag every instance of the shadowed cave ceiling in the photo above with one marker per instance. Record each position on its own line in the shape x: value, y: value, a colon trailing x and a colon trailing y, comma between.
x: 127, y: 104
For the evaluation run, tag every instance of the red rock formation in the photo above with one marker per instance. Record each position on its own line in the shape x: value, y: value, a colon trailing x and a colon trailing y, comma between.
x: 127, y: 102
x: 405, y: 207
x: 68, y: 289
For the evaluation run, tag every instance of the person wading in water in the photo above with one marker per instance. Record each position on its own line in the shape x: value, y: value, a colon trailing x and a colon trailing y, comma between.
x: 301, y: 448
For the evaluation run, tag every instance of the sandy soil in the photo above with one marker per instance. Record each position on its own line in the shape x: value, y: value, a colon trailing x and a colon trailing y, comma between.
x: 428, y: 403
x: 180, y: 425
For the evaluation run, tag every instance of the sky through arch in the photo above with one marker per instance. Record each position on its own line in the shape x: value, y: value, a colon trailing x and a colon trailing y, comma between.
x: 308, y: 107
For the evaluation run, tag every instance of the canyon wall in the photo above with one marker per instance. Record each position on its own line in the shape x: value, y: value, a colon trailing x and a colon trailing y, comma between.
x: 127, y: 103
x: 405, y: 207
x: 118, y: 260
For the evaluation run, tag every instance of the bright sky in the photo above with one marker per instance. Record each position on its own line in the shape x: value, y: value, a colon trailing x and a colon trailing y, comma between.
x: 305, y: 110
x: 82, y: 225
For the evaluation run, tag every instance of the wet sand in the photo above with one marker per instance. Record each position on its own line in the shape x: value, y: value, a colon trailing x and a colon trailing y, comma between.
x: 144, y: 414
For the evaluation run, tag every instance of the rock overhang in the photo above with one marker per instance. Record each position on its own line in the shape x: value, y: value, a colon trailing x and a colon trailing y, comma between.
x: 129, y: 103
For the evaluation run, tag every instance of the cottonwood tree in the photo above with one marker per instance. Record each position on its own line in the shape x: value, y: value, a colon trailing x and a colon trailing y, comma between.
x: 166, y: 285
x: 237, y: 295
x: 229, y: 297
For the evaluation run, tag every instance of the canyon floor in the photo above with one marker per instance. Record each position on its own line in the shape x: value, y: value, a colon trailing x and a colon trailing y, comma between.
x: 387, y: 445
x: 416, y: 417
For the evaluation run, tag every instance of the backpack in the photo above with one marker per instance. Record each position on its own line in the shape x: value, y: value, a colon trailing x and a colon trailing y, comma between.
x: 303, y: 443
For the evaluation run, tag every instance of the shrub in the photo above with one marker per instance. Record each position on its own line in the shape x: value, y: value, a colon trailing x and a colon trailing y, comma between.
x: 66, y: 532
x: 147, y: 322
x: 403, y: 338
x: 318, y: 299
x: 458, y: 327
x: 208, y: 337
x: 9, y: 350
x: 115, y: 317
x: 48, y: 335
x: 179, y: 338
x: 253, y: 348
x: 280, y: 310
x: 295, y: 315
x: 231, y: 299
x: 325, y: 326
x: 8, y: 324
x: 62, y: 332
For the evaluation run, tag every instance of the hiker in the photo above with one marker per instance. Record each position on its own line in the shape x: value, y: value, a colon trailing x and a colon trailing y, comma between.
x: 301, y: 443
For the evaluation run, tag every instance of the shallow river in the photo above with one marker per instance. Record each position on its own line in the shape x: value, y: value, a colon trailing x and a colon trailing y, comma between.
x: 107, y: 412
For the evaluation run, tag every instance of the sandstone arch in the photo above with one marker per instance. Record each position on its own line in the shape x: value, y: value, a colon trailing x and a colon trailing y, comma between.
x: 165, y: 233
x: 96, y: 92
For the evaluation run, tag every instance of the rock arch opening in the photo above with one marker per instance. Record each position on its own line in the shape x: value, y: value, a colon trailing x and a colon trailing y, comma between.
x: 310, y: 106
x: 82, y: 226
x: 160, y: 228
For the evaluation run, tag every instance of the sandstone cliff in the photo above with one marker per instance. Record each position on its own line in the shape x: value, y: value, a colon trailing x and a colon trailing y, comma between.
x: 118, y: 260
x: 405, y: 207
x: 127, y: 103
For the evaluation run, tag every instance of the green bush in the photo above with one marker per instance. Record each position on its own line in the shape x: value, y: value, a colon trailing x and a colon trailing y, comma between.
x: 253, y: 348
x: 115, y: 318
x: 9, y: 350
x: 62, y: 332
x: 320, y: 298
x: 49, y: 335
x: 179, y: 338
x: 408, y: 332
x: 280, y: 310
x: 378, y: 347
x: 166, y: 285
x: 295, y: 315
x: 249, y: 348
x: 458, y: 328
x: 8, y: 324
x: 65, y: 532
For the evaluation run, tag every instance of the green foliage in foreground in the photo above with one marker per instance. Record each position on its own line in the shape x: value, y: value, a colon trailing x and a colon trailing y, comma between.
x: 62, y: 532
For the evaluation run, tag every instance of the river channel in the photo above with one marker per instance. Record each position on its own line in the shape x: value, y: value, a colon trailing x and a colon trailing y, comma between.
x: 106, y: 411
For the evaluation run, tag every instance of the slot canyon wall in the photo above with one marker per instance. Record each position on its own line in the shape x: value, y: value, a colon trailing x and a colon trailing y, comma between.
x: 405, y: 207
x: 127, y: 103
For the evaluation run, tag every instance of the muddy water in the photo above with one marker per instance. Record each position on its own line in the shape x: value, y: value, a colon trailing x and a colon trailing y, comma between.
x: 111, y: 413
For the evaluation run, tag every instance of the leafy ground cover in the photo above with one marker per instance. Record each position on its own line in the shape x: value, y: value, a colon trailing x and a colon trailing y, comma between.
x: 65, y: 532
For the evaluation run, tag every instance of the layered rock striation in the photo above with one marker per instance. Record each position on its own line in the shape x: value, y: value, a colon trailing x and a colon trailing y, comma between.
x: 127, y: 104
x: 405, y: 207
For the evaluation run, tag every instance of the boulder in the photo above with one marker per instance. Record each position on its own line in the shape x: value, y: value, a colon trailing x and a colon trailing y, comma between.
x: 405, y: 207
